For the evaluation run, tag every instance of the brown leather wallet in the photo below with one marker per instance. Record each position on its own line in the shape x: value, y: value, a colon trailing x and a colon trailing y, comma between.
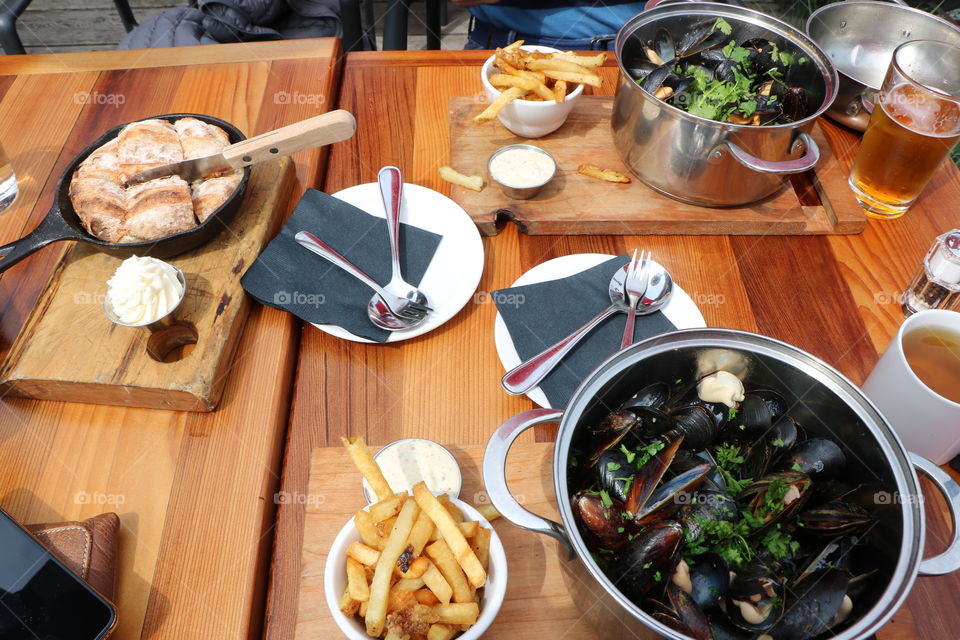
x: 88, y: 548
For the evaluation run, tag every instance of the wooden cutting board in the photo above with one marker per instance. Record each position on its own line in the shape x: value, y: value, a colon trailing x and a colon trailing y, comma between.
x: 536, y: 605
x: 816, y: 202
x: 69, y: 351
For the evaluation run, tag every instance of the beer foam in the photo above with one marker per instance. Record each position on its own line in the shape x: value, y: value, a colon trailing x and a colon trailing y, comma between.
x: 922, y: 112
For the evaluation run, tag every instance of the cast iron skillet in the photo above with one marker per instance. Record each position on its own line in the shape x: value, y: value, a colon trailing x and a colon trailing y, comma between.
x: 62, y: 223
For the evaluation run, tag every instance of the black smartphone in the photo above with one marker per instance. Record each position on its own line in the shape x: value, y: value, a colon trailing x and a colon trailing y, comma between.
x: 40, y: 598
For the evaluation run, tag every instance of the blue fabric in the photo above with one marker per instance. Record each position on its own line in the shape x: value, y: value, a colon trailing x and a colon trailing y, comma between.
x: 569, y: 22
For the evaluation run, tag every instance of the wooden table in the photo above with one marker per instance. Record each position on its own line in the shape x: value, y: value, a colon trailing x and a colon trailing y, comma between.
x: 195, y: 492
x: 833, y: 296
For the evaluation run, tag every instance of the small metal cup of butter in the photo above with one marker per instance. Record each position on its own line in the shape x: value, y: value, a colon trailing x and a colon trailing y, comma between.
x: 528, y: 190
x: 161, y: 323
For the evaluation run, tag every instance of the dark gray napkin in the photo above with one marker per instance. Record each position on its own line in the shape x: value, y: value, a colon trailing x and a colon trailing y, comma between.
x: 539, y: 315
x: 289, y: 277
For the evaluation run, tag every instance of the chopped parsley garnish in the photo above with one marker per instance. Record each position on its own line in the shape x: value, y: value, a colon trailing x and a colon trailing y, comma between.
x: 629, y: 454
x: 648, y: 451
x: 778, y: 443
x: 605, y: 499
x: 731, y: 413
x: 613, y: 466
x: 796, y: 467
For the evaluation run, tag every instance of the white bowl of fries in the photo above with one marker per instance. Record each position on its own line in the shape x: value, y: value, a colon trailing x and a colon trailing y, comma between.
x: 421, y: 565
x: 532, y: 89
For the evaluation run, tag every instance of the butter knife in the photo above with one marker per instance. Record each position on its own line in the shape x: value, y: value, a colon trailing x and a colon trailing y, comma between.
x: 313, y: 132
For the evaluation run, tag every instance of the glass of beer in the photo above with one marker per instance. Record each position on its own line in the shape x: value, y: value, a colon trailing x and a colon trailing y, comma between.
x: 914, y: 124
x: 8, y: 182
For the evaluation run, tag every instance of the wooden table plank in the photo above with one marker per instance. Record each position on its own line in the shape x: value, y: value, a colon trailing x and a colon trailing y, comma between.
x: 824, y: 294
x: 194, y: 492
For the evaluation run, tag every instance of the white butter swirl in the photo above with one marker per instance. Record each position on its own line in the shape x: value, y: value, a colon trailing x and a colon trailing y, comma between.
x: 143, y: 290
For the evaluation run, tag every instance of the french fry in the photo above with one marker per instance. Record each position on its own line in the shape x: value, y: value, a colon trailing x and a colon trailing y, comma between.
x: 560, y: 91
x: 506, y: 67
x: 362, y: 553
x: 607, y: 175
x: 488, y: 511
x: 423, y: 528
x: 400, y: 599
x: 553, y: 63
x: 469, y: 529
x: 380, y: 587
x: 458, y: 612
x: 527, y: 83
x: 368, y: 467
x: 480, y: 544
x: 451, y: 175
x: 365, y: 527
x: 357, y: 581
x: 451, y: 534
x: 408, y: 584
x: 497, y: 105
x: 426, y: 597
x: 583, y: 61
x: 387, y: 508
x: 384, y: 528
x: 454, y: 510
x: 437, y: 584
x: 441, y: 632
x: 417, y: 568
x: 514, y: 46
x: 446, y: 562
x: 578, y: 77
x: 348, y: 606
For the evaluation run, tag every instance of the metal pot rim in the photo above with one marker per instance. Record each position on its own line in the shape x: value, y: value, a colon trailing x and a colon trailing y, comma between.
x: 827, y: 69
x: 884, y: 6
x: 912, y: 516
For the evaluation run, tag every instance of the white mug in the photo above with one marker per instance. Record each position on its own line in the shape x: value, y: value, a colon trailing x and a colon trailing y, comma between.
x: 927, y: 423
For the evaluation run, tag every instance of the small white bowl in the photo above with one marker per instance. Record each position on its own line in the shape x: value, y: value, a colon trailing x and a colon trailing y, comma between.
x: 529, y: 118
x: 335, y: 579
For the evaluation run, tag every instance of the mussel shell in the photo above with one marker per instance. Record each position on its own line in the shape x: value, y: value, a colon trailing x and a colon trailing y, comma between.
x: 753, y: 419
x: 664, y: 45
x: 640, y: 69
x: 654, y: 395
x: 649, y: 475
x: 810, y: 605
x: 656, y: 78
x: 784, y: 433
x: 604, y: 525
x: 710, y: 505
x: 795, y: 103
x: 689, y: 613
x: 757, y: 582
x: 614, y: 474
x: 775, y: 402
x: 835, y: 518
x: 666, y: 500
x: 819, y: 458
x: 835, y: 555
x: 755, y: 494
x: 610, y: 432
x: 696, y: 424
x: 699, y: 38
x: 757, y: 455
x: 652, y: 552
x: 710, y: 577
x: 724, y: 70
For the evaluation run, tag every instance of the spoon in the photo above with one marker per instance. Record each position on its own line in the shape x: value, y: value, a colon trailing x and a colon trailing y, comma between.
x: 529, y: 374
x: 391, y: 191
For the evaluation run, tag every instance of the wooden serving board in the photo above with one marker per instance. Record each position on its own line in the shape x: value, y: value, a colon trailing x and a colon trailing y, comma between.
x: 536, y: 605
x: 69, y: 351
x: 819, y: 202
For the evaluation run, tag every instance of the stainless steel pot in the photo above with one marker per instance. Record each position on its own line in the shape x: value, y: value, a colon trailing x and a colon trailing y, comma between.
x: 860, y: 38
x: 702, y: 161
x: 823, y: 400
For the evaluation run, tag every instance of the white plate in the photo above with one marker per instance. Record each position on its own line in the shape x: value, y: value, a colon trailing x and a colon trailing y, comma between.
x: 454, y: 272
x: 680, y: 310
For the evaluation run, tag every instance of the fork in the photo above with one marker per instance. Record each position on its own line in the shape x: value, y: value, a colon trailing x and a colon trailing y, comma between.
x: 635, y: 285
x: 398, y: 305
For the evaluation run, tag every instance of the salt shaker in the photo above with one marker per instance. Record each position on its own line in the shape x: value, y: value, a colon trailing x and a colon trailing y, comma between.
x: 937, y: 283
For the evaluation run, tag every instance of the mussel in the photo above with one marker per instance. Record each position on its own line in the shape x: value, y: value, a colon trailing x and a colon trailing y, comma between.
x: 755, y: 596
x: 648, y: 561
x: 819, y: 458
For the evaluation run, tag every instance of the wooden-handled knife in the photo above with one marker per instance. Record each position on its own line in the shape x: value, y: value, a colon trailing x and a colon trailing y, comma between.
x: 313, y: 132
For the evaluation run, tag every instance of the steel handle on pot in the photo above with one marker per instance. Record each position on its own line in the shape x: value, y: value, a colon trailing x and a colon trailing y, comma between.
x: 949, y: 560
x: 495, y: 476
x: 811, y: 156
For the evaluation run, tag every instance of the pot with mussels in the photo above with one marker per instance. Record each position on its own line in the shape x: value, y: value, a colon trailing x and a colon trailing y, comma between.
x: 714, y: 483
x: 715, y: 103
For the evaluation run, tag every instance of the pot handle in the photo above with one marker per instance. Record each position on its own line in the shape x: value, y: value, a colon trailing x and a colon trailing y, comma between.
x: 495, y: 477
x: 811, y: 156
x: 949, y: 560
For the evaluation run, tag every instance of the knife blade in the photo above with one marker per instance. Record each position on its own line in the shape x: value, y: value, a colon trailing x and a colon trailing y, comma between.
x: 318, y: 131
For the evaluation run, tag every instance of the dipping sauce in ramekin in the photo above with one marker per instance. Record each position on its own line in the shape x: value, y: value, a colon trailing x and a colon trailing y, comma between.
x: 408, y: 461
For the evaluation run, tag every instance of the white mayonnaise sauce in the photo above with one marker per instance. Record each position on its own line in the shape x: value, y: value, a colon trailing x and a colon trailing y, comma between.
x: 521, y: 168
x: 143, y: 290
x: 406, y: 462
